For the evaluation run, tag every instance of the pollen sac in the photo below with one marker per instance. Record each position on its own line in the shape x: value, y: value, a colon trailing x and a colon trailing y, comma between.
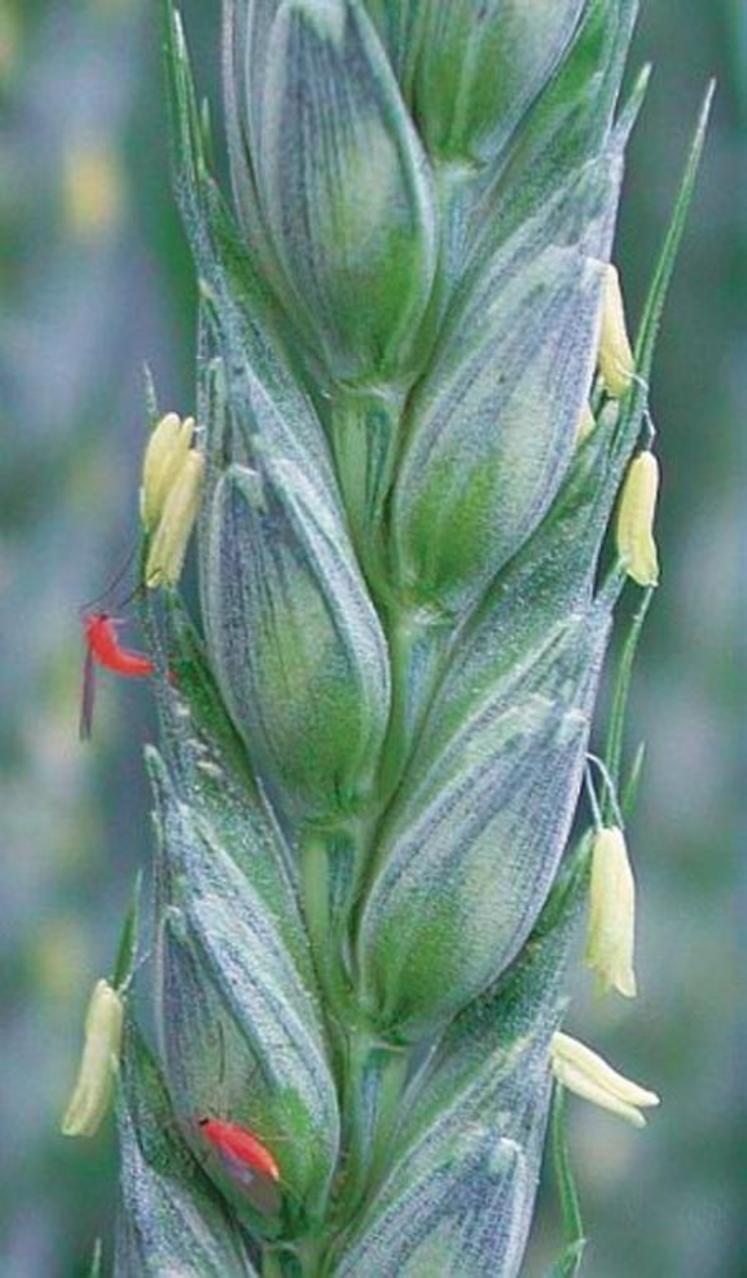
x: 635, y: 520
x: 294, y: 639
x: 99, y: 1061
x: 616, y: 360
x: 342, y: 181
x: 590, y: 1076
x: 494, y: 428
x: 478, y: 67
x: 164, y: 457
x: 169, y: 545
x: 610, y: 938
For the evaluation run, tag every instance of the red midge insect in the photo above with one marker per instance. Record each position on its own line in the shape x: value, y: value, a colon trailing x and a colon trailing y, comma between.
x: 238, y: 1147
x: 103, y: 649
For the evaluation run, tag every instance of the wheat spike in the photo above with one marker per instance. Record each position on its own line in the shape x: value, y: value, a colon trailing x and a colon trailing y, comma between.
x: 374, y: 738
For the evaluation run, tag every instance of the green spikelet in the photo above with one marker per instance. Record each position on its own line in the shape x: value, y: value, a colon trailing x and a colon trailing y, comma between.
x: 375, y: 736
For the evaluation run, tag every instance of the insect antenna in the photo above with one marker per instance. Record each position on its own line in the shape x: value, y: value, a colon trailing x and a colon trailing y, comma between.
x: 135, y: 593
x: 114, y: 582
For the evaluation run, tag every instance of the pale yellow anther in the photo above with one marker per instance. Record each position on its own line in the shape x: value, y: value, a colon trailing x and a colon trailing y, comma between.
x: 169, y: 544
x: 610, y: 937
x: 587, y: 1074
x: 99, y: 1063
x: 586, y: 423
x: 164, y: 457
x: 635, y: 520
x: 616, y: 363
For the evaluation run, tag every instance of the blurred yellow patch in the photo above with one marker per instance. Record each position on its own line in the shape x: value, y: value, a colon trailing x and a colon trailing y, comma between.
x: 93, y: 188
x: 60, y: 957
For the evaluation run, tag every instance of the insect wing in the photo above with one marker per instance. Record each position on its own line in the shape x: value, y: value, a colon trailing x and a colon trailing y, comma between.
x: 259, y: 1184
x: 236, y: 1167
x: 248, y: 1148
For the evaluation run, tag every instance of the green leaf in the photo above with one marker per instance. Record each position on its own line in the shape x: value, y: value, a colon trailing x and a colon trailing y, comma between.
x: 127, y: 950
x: 170, y: 1219
x: 629, y: 795
x: 653, y: 309
x: 657, y: 295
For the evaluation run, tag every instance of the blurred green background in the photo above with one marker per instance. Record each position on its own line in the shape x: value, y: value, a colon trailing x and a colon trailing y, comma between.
x: 95, y: 280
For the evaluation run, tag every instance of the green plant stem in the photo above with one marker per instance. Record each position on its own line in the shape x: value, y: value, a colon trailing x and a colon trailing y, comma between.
x: 416, y: 648
x: 403, y: 635
x: 316, y: 890
x: 365, y: 426
x: 376, y: 1074
x: 569, y: 1201
x: 614, y: 745
x: 322, y: 934
x: 272, y: 1266
x: 454, y: 186
x: 300, y: 1260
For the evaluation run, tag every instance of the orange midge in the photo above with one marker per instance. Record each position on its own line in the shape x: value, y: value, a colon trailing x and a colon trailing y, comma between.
x: 104, y: 649
x: 238, y: 1145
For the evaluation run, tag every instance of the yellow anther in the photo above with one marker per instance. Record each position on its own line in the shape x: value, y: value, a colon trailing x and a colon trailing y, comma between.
x: 164, y: 457
x: 610, y: 938
x: 616, y: 363
x: 170, y: 541
x: 587, y: 1074
x: 635, y: 520
x: 99, y: 1062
